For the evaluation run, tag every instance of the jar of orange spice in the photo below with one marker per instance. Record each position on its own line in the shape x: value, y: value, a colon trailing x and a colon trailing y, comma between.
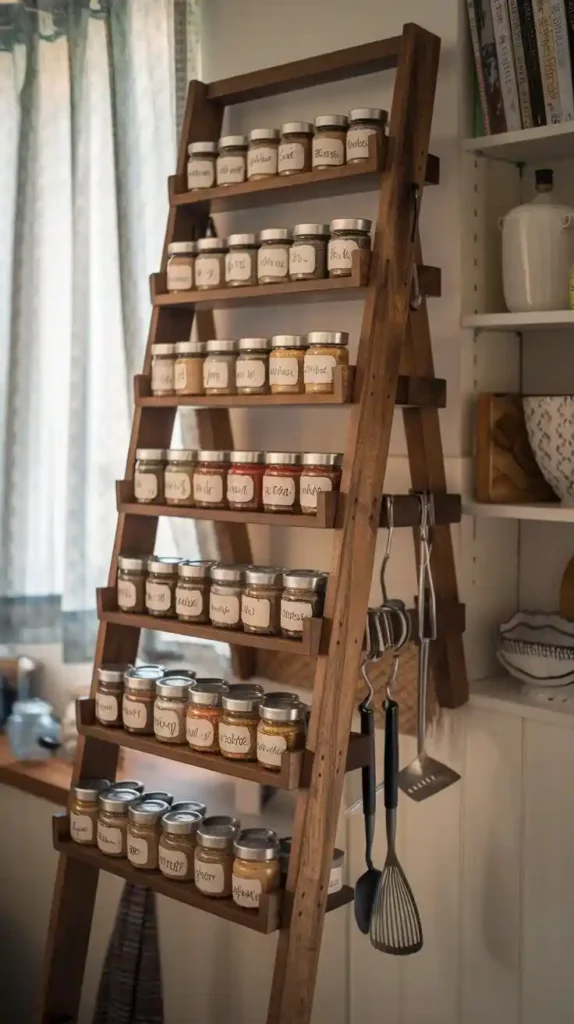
x: 204, y: 714
x: 286, y: 363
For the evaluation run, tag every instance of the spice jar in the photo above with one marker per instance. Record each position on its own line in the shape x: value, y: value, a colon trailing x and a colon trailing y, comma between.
x: 214, y: 854
x: 252, y: 366
x: 113, y: 821
x: 139, y: 698
x: 262, y: 155
x: 201, y: 165
x: 280, y: 482
x: 281, y: 727
x: 133, y: 784
x: 286, y: 364
x: 303, y: 598
x: 337, y: 865
x: 320, y: 471
x: 109, y: 692
x: 327, y: 349
x: 188, y: 367
x: 363, y: 121
x: 144, y: 818
x: 177, y: 843
x: 273, y: 255
x: 148, y: 475
x: 189, y: 805
x: 204, y: 714
x: 261, y: 599
x: 192, y: 591
x: 209, y: 263
x: 347, y: 235
x: 162, y: 368
x: 178, y: 476
x: 160, y: 586
x: 241, y: 260
x: 225, y: 595
x: 231, y: 164
x: 209, y: 479
x: 245, y: 480
x: 131, y: 583
x: 238, y: 725
x: 170, y: 708
x: 256, y: 868
x: 329, y: 141
x: 180, y: 260
x: 308, y: 253
x: 219, y: 367
x: 295, y: 147
x: 84, y: 810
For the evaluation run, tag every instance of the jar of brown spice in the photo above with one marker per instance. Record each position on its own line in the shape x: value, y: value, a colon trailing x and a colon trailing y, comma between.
x: 178, y: 476
x: 177, y: 843
x: 273, y: 255
x: 210, y: 479
x: 132, y: 572
x: 327, y: 349
x: 241, y: 260
x: 231, y: 164
x: 320, y: 471
x: 308, y: 253
x: 219, y: 367
x: 144, y: 818
x: 84, y: 809
x: 364, y: 122
x: 160, y: 586
x: 262, y: 153
x: 245, y: 480
x: 139, y: 698
x: 188, y: 371
x: 225, y: 595
x: 148, y: 475
x: 286, y: 364
x: 329, y: 143
x: 192, y: 591
x: 295, y: 147
x: 109, y: 693
x: 261, y: 599
x: 170, y: 708
x: 238, y: 725
x: 347, y: 235
x: 256, y: 867
x: 210, y: 263
x: 201, y: 165
x: 204, y: 714
x: 252, y: 366
x: 214, y: 855
x: 303, y: 598
x: 281, y: 727
x: 113, y: 821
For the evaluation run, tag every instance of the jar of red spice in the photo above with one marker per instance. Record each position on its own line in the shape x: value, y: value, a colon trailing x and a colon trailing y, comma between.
x: 209, y: 479
x: 320, y: 471
x: 245, y: 480
x: 281, y: 481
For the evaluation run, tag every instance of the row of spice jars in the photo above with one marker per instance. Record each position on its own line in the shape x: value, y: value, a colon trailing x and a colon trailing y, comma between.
x: 331, y: 141
x: 287, y: 482
x: 305, y: 253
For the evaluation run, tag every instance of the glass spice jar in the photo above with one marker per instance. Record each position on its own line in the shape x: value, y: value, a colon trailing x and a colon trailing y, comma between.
x: 327, y: 349
x: 176, y: 850
x: 231, y: 164
x: 214, y: 855
x: 160, y: 586
x: 201, y: 165
x: 162, y: 368
x: 109, y: 693
x: 256, y: 867
x: 144, y: 817
x: 280, y: 482
x: 84, y: 809
x: 178, y: 476
x: 133, y: 784
x: 320, y: 471
x: 286, y: 364
x: 113, y: 821
x: 252, y: 366
x: 308, y: 253
x: 210, y: 263
x: 209, y: 479
x: 295, y: 147
x: 238, y: 724
x: 219, y: 367
x: 148, y: 475
x: 347, y: 235
x: 303, y: 598
x: 170, y: 708
x: 132, y: 571
x: 139, y: 698
x: 262, y: 155
x: 179, y: 271
x: 225, y: 595
x: 273, y: 255
x: 241, y: 260
x: 188, y: 369
x: 192, y: 591
x: 189, y: 805
x: 281, y: 727
x: 329, y: 141
x: 261, y: 599
x: 204, y: 714
x: 363, y: 122
x: 245, y: 480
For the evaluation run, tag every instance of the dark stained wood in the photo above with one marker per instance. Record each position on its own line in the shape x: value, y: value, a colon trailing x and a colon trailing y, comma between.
x: 407, y: 509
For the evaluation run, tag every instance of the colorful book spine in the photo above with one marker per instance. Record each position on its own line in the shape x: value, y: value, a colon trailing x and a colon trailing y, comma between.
x: 490, y: 66
x: 475, y: 38
x: 548, y: 65
x: 520, y: 62
x: 528, y: 31
x: 559, y: 24
x: 507, y: 70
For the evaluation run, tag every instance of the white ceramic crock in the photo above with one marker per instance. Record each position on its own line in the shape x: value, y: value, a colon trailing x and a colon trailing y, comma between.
x: 537, y: 255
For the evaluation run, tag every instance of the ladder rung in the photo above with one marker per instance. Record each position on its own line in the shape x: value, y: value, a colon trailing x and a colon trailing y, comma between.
x: 407, y: 510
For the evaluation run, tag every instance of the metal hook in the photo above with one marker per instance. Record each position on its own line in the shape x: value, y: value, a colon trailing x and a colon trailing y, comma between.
x: 417, y: 297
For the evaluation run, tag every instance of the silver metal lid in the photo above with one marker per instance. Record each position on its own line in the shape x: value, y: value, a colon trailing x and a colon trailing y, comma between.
x: 195, y: 148
x: 249, y: 458
x: 150, y: 454
x: 223, y: 345
x: 159, y: 794
x: 207, y: 245
x: 147, y: 810
x: 163, y: 566
x: 175, y: 455
x: 163, y: 348
x: 112, y: 673
x: 208, y: 692
x: 331, y: 121
x: 282, y: 458
x: 117, y: 801
x: 282, y: 710
x: 218, y: 831
x: 222, y: 572
x: 264, y: 575
x: 305, y: 579
x: 89, y: 790
x: 264, y: 135
x: 276, y: 235
x: 180, y: 247
x: 254, y: 344
x: 232, y: 141
x: 144, y: 671
x: 351, y: 224
x: 297, y: 128
x: 132, y: 563
x: 189, y: 805
x: 328, y: 338
x: 321, y: 230
x: 181, y: 821
x: 289, y: 341
x: 190, y: 348
x: 258, y: 847
x: 130, y: 784
x: 322, y: 459
x: 213, y: 456
x: 194, y: 570
x: 242, y: 697
x: 285, y: 852
x: 367, y: 114
x: 241, y: 240
x: 174, y: 686
x: 143, y: 681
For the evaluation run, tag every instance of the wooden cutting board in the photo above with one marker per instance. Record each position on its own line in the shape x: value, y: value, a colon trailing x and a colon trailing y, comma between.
x: 506, y: 470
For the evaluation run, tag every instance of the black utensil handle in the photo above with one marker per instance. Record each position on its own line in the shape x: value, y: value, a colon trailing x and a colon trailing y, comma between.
x: 391, y: 709
x: 368, y: 776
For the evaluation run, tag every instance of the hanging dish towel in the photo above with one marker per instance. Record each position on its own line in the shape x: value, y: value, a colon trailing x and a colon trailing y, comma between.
x: 130, y: 986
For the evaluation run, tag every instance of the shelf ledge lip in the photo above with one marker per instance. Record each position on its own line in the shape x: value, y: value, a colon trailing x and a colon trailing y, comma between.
x: 543, y: 512
x: 503, y: 694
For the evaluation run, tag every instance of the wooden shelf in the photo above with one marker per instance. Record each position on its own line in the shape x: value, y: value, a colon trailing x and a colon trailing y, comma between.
x: 552, y: 320
x: 529, y: 146
x: 544, y: 512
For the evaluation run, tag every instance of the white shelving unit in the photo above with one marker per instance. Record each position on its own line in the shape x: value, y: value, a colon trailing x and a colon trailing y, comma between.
x: 530, y: 146
x: 542, y: 512
x: 507, y: 695
x: 554, y: 320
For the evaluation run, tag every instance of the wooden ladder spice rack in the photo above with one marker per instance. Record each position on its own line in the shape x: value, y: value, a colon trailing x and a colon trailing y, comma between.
x: 394, y: 367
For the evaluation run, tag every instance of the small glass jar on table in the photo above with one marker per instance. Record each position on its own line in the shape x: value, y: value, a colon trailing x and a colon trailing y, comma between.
x: 148, y: 475
x: 112, y: 829
x: 295, y: 147
x: 303, y: 598
x: 188, y: 371
x: 320, y: 471
x: 219, y: 367
x: 364, y: 122
x: 210, y: 263
x: 252, y: 366
x: 273, y: 255
x: 256, y: 867
x: 329, y: 143
x: 109, y: 693
x: 231, y: 164
x: 261, y: 599
x: 84, y: 810
x: 139, y: 698
x: 178, y: 476
x: 132, y: 573
x: 180, y: 262
x: 160, y: 586
x: 327, y: 349
x: 204, y: 713
x: 308, y: 253
x: 192, y: 591
x: 176, y: 849
x: 281, y: 482
x: 347, y: 235
x: 245, y: 480
x: 144, y: 817
x: 286, y: 364
x: 262, y: 155
x: 210, y: 479
x: 281, y: 728
x: 170, y: 708
x: 201, y: 165
x: 225, y: 595
x: 214, y: 855
x: 241, y: 260
x: 238, y: 725
x: 162, y: 368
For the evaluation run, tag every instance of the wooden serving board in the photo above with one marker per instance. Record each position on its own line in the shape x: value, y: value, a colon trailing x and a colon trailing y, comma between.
x: 506, y: 470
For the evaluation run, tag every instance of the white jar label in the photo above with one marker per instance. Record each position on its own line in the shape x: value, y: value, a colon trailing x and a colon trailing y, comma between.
x: 208, y: 487
x: 172, y: 863
x: 215, y: 374
x: 262, y: 160
x: 250, y: 373
x: 179, y: 277
x: 283, y: 370
x: 200, y: 173
x: 180, y: 376
x: 200, y: 732
x: 81, y: 828
x: 230, y: 170
x: 137, y: 850
x: 157, y: 596
x: 293, y: 613
x: 328, y: 152
x: 109, y: 839
x: 336, y: 879
x: 188, y: 602
x: 358, y: 142
x: 162, y: 374
x: 106, y: 707
x: 134, y: 714
x: 246, y: 891
x: 340, y: 253
x: 279, y: 490
x: 207, y: 271
x: 318, y: 369
x: 127, y: 594
x: 209, y: 877
x: 256, y: 611
x: 273, y: 262
x: 234, y: 739
x: 145, y: 486
x: 166, y: 723
x: 310, y: 487
x: 291, y: 157
x: 238, y: 266
x: 302, y: 259
x: 240, y: 488
x: 177, y: 485
x: 270, y: 749
x: 224, y: 611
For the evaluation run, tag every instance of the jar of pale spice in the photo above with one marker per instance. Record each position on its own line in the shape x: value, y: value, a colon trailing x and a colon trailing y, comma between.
x: 238, y: 725
x: 201, y: 165
x: 327, y: 349
x: 286, y: 364
x: 180, y: 260
x: 113, y: 821
x: 192, y: 591
x: 84, y: 810
x: 256, y: 868
x: 148, y: 475
x: 219, y: 367
x: 162, y: 368
x: 109, y: 693
x: 132, y: 572
x: 178, y: 477
x: 144, y: 819
x: 303, y: 598
x: 231, y: 165
x: 320, y: 471
x: 170, y: 709
x: 139, y: 698
x: 273, y: 255
x: 281, y: 482
x: 295, y: 147
x: 252, y: 366
x: 330, y: 141
x: 241, y: 260
x: 281, y: 728
x: 262, y: 153
x: 160, y: 794
x: 225, y: 595
x: 204, y: 714
x: 364, y: 122
x: 177, y: 843
x: 347, y: 235
x: 245, y: 480
x: 160, y: 586
x: 210, y: 478
x: 188, y: 371
x: 214, y: 855
x: 261, y: 599
x: 210, y: 263
x: 308, y: 253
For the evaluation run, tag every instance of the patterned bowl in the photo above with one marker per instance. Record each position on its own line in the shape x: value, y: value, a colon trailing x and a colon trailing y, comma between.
x: 537, y: 648
x: 550, y: 425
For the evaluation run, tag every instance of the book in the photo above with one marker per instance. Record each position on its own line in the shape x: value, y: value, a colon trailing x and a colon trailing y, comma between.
x: 507, y: 70
x: 559, y: 23
x: 528, y: 31
x: 520, y: 62
x: 547, y: 57
x: 490, y: 66
x: 475, y: 38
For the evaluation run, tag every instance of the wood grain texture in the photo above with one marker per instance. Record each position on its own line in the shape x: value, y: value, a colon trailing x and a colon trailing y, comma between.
x: 506, y: 470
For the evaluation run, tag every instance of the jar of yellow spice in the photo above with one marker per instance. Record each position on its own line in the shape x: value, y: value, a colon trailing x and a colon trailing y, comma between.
x: 113, y: 821
x: 286, y: 364
x: 326, y: 350
x: 214, y: 855
x: 238, y: 725
x: 178, y: 476
x: 281, y: 727
x: 177, y: 844
x: 84, y: 809
x: 256, y: 868
x: 204, y: 714
x: 144, y: 818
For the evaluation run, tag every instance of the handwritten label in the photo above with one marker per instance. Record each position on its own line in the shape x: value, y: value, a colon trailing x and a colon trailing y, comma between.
x: 279, y: 490
x: 256, y: 611
x: 200, y: 732
x: 208, y: 487
x: 200, y: 173
x: 167, y: 724
x: 250, y: 373
x: 127, y: 594
x: 110, y: 840
x: 157, y: 596
x: 162, y: 374
x: 81, y: 828
x: 246, y: 892
x: 318, y: 369
x: 207, y: 271
x: 179, y: 276
x: 238, y: 266
x: 137, y: 850
x: 188, y: 602
x: 340, y: 254
x: 309, y: 489
x: 262, y: 160
x: 145, y: 486
x: 270, y: 749
x: 177, y: 484
x: 172, y: 863
x: 273, y: 262
x: 293, y: 613
x: 134, y: 714
x: 328, y: 152
x: 224, y: 611
x: 230, y: 170
x: 215, y: 374
x: 106, y: 707
x: 358, y: 143
x: 240, y: 488
x: 336, y: 879
x: 234, y: 739
x: 302, y: 259
x: 283, y: 370
x: 291, y: 157
x: 209, y: 877
x: 180, y: 376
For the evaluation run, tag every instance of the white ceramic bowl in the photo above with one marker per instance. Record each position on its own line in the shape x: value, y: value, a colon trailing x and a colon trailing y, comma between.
x: 537, y: 648
x: 550, y: 425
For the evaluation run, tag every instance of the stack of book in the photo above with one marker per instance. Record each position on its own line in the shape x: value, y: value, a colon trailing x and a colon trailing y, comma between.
x: 524, y: 55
